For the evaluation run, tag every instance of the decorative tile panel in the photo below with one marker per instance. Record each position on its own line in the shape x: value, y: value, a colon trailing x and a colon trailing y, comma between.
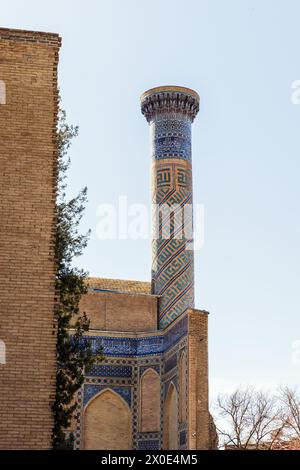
x: 90, y: 391
x: 170, y: 112
x: 110, y: 371
x: 149, y: 445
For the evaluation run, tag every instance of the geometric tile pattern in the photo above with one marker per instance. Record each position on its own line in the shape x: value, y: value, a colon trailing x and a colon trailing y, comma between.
x: 172, y: 262
x: 149, y: 445
x: 121, y: 372
x: 110, y: 371
x: 170, y: 112
x: 91, y: 390
x: 171, y: 137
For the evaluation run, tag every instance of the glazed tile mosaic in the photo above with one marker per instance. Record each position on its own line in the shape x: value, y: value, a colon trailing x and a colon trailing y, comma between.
x: 170, y: 116
x: 91, y: 390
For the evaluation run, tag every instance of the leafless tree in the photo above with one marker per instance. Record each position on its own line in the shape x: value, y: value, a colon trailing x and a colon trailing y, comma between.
x: 290, y: 399
x: 249, y: 419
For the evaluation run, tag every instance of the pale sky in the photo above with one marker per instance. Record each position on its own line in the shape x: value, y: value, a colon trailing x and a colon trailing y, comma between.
x: 242, y: 57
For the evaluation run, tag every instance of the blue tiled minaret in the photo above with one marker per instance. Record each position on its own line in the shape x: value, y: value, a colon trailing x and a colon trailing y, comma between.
x: 170, y: 111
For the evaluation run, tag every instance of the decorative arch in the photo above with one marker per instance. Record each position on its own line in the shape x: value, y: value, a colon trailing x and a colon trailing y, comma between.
x: 183, y: 385
x: 170, y: 425
x: 107, y: 422
x: 150, y: 401
x: 2, y: 92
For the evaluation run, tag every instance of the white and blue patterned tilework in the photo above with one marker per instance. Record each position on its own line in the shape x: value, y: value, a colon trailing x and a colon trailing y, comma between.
x: 171, y: 137
x: 128, y: 347
x: 125, y: 362
x: 170, y: 111
x: 110, y: 371
x: 149, y: 445
x: 149, y: 345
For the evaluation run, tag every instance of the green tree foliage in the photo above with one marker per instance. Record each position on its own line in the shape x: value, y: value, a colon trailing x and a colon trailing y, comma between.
x: 74, y: 351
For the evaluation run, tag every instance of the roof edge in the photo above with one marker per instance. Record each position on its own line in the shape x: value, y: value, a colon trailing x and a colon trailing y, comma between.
x: 24, y: 35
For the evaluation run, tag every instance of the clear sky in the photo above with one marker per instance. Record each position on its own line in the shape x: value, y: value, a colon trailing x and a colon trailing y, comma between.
x: 242, y: 56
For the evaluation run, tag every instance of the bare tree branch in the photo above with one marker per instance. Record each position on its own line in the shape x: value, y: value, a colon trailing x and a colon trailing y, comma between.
x: 249, y: 419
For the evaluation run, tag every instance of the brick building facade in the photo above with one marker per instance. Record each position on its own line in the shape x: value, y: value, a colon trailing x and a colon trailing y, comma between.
x: 151, y: 391
x: 28, y: 109
x: 154, y: 381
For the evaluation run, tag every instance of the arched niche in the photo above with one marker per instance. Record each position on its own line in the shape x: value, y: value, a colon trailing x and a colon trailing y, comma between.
x: 170, y: 424
x: 107, y: 423
x: 150, y: 401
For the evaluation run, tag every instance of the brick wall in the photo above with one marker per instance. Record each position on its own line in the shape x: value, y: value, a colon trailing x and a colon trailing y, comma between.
x: 28, y: 67
x: 198, y: 413
x: 110, y: 311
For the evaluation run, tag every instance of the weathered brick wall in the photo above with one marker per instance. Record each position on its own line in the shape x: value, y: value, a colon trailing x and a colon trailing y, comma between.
x: 199, y: 417
x: 109, y: 311
x: 28, y: 67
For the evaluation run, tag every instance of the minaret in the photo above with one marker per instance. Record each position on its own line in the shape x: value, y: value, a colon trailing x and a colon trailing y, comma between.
x: 170, y: 111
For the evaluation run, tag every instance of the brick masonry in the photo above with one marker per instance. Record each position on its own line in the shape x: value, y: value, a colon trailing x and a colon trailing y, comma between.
x: 151, y: 392
x: 199, y: 418
x: 141, y: 367
x: 28, y: 67
x: 119, y: 311
x: 154, y: 341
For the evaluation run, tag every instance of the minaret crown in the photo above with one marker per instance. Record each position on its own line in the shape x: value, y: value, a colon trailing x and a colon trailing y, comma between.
x: 170, y: 99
